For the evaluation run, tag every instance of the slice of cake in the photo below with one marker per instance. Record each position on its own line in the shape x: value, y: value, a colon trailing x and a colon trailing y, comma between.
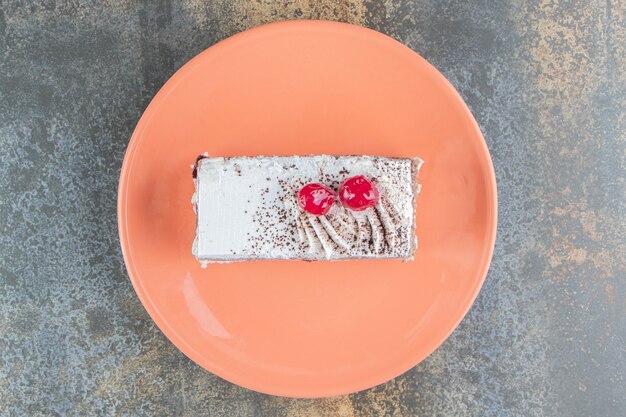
x: 305, y: 207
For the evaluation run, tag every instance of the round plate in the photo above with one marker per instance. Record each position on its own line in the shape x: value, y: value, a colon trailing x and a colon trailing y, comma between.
x: 308, y: 329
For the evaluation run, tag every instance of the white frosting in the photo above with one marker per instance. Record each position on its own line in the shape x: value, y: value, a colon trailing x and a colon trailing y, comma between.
x: 246, y: 209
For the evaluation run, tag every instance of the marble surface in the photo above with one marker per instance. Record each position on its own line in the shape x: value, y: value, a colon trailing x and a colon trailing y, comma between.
x: 546, y: 82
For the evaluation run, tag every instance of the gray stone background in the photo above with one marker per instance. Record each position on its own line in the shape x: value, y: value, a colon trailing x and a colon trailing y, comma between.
x: 546, y: 82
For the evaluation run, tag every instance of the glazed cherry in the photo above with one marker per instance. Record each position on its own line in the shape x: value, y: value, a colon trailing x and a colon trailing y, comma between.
x: 316, y: 199
x: 358, y: 193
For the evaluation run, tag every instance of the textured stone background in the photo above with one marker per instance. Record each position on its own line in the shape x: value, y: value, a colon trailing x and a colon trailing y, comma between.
x: 546, y: 81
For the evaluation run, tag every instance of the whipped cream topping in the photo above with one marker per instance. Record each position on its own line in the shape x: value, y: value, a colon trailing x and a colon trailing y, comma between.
x: 246, y: 209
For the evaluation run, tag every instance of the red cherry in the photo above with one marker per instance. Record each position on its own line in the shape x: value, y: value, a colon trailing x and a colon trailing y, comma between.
x: 358, y: 193
x: 316, y: 199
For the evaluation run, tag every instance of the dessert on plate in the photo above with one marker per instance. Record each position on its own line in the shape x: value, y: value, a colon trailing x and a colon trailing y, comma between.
x: 317, y: 207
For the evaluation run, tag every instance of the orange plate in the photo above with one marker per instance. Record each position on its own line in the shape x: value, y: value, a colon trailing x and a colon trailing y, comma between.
x: 297, y: 328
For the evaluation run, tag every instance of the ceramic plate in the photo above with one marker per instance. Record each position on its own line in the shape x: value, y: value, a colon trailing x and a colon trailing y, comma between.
x: 296, y: 328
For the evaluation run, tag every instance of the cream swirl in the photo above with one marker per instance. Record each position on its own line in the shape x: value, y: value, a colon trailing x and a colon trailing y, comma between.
x: 373, y: 231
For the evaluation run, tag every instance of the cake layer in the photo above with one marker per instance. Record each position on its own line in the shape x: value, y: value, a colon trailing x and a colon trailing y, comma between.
x: 247, y: 209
